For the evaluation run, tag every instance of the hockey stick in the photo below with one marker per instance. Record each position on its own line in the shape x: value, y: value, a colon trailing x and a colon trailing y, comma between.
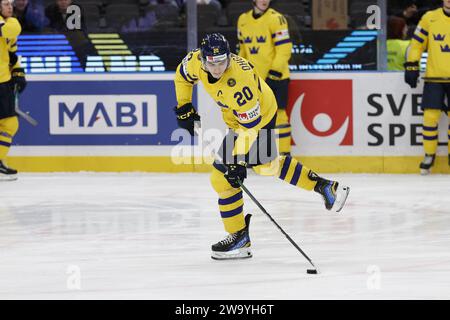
x: 216, y: 157
x: 310, y: 271
x: 22, y: 114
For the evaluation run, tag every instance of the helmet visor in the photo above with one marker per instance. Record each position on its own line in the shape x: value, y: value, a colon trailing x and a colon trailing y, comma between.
x: 218, y: 58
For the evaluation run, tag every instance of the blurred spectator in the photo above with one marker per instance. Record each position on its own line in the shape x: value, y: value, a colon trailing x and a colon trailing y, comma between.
x: 30, y: 15
x: 410, y: 13
x: 396, y: 44
x: 57, y: 15
x: 215, y: 3
x: 142, y: 23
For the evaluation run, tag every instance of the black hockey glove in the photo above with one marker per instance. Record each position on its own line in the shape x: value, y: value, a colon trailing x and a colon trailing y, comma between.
x: 186, y: 117
x: 13, y: 59
x: 411, y: 73
x: 236, y: 173
x: 18, y: 79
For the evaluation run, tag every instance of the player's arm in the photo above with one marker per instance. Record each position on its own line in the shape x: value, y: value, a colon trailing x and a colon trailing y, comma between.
x: 283, y: 46
x: 185, y: 79
x: 9, y: 28
x: 14, y: 61
x: 419, y: 43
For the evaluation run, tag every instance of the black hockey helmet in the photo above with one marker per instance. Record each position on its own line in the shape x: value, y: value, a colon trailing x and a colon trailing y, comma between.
x: 214, y: 48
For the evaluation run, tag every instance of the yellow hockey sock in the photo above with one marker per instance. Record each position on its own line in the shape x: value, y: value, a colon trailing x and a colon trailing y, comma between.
x: 430, y: 130
x: 8, y: 128
x: 295, y: 173
x: 231, y: 202
x: 283, y: 131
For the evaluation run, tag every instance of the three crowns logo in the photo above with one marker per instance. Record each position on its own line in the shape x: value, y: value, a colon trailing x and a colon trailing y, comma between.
x: 438, y: 37
x: 261, y: 39
x: 254, y: 50
x: 445, y: 48
x: 248, y: 40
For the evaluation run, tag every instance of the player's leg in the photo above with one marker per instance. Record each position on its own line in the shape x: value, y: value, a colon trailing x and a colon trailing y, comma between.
x: 231, y: 206
x: 432, y: 104
x: 293, y: 172
x: 282, y: 126
x: 8, y: 128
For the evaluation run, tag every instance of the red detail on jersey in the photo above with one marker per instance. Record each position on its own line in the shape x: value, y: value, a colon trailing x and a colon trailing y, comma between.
x: 243, y: 116
x: 332, y: 97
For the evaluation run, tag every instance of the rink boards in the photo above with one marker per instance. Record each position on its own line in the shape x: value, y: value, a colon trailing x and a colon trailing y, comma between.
x: 341, y: 122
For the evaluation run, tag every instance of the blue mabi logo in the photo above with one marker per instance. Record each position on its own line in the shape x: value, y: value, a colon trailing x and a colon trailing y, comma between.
x: 103, y: 114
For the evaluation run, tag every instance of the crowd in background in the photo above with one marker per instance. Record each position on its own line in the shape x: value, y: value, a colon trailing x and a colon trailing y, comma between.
x: 34, y: 16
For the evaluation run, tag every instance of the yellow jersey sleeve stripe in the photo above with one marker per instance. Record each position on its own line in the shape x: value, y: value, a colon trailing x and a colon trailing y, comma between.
x: 423, y: 31
x: 181, y: 69
x: 278, y: 43
x: 417, y: 38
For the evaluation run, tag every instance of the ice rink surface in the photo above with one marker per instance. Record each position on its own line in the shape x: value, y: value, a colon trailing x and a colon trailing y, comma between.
x: 148, y: 236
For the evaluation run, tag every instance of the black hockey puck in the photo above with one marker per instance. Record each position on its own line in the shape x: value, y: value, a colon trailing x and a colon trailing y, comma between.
x: 311, y: 271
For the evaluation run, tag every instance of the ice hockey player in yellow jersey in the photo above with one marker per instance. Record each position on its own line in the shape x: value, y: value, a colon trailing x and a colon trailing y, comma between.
x: 432, y: 35
x: 264, y: 41
x: 11, y: 76
x: 249, y: 109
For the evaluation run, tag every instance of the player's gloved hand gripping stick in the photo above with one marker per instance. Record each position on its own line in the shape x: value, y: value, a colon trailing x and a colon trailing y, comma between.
x: 236, y: 173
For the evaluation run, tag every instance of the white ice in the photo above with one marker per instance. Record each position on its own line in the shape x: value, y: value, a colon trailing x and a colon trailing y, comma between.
x: 148, y: 236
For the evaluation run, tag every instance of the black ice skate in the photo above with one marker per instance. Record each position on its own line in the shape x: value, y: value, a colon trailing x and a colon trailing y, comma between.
x: 235, y: 245
x: 334, y: 195
x: 427, y: 163
x: 7, y: 173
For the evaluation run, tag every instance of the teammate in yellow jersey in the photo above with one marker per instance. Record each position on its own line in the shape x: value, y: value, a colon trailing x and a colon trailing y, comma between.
x: 11, y: 76
x: 264, y: 41
x: 432, y: 35
x: 249, y: 109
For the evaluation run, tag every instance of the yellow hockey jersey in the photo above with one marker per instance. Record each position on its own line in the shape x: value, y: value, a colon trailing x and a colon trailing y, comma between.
x: 432, y: 34
x: 9, y: 31
x: 265, y: 42
x: 246, y: 101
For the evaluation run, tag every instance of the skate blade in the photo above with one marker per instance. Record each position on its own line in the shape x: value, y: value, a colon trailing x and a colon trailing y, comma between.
x: 242, y: 253
x: 9, y: 177
x: 425, y: 172
x: 341, y: 197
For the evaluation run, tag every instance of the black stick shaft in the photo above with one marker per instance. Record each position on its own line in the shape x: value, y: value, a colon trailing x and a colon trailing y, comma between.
x: 278, y: 226
x: 19, y: 112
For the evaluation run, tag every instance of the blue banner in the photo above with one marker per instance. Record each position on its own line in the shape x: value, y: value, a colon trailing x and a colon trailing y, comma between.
x: 92, y: 113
